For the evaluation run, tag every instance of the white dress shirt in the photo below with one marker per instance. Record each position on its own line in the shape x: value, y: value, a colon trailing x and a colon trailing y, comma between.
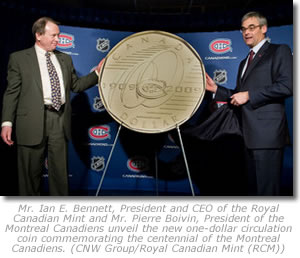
x: 45, y: 75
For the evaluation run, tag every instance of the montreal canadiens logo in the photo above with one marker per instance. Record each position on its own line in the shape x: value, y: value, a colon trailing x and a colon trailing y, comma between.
x: 99, y: 132
x: 138, y: 164
x: 66, y: 41
x: 220, y: 46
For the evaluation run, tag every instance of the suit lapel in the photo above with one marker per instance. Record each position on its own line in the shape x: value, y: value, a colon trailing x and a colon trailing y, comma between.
x: 258, y: 56
x: 240, y: 78
x: 34, y: 64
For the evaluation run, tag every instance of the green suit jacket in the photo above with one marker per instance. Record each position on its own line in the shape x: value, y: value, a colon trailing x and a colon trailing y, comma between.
x: 23, y: 102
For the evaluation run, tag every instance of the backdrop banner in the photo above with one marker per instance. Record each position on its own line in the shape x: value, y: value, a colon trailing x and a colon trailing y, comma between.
x: 144, y: 164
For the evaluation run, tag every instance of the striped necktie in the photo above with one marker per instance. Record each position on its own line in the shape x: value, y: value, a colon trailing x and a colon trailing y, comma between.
x: 54, y: 81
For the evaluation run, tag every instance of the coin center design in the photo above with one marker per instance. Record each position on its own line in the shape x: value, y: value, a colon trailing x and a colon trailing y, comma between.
x: 152, y: 81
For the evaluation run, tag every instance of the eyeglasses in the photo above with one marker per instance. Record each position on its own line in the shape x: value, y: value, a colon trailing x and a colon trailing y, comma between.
x: 251, y: 28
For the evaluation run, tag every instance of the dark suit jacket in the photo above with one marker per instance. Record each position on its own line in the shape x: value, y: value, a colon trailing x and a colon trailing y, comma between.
x: 269, y: 80
x: 23, y: 102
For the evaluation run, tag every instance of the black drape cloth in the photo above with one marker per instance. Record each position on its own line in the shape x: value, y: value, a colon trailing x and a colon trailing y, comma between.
x: 214, y: 150
x: 223, y: 121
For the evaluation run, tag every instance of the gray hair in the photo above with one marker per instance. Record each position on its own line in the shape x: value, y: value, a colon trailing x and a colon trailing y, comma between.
x: 261, y: 19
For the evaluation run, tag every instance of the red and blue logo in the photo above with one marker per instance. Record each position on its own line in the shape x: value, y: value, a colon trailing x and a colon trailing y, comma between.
x: 138, y: 164
x: 101, y: 132
x: 220, y: 46
x: 66, y: 41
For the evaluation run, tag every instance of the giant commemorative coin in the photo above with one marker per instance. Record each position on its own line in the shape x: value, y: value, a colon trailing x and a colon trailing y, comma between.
x: 152, y: 81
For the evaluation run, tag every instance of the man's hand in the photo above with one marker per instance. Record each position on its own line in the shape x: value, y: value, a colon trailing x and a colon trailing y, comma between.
x: 210, y: 84
x: 6, y: 135
x: 98, y: 68
x: 239, y: 98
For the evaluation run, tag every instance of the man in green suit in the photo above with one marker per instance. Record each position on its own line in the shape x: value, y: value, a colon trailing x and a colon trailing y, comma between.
x: 41, y: 120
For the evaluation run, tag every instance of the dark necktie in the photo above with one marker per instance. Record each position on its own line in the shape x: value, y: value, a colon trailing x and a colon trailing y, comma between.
x: 55, y: 85
x: 250, y: 59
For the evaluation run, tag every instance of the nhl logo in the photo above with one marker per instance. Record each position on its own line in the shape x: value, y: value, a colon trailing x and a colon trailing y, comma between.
x: 98, y: 105
x: 220, y: 76
x: 97, y: 163
x: 102, y: 45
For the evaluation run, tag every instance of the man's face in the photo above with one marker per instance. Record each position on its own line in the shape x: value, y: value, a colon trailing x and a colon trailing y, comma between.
x: 252, y: 32
x: 49, y: 40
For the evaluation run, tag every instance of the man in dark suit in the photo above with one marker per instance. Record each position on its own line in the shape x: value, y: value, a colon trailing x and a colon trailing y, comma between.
x: 262, y: 86
x: 37, y: 104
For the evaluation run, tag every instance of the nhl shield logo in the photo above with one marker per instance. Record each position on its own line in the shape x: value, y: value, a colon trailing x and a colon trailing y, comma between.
x: 97, y: 163
x: 98, y: 105
x: 103, y: 45
x: 220, y: 76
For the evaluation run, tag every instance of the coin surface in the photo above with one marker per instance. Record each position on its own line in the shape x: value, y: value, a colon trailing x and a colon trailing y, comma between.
x: 152, y: 81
